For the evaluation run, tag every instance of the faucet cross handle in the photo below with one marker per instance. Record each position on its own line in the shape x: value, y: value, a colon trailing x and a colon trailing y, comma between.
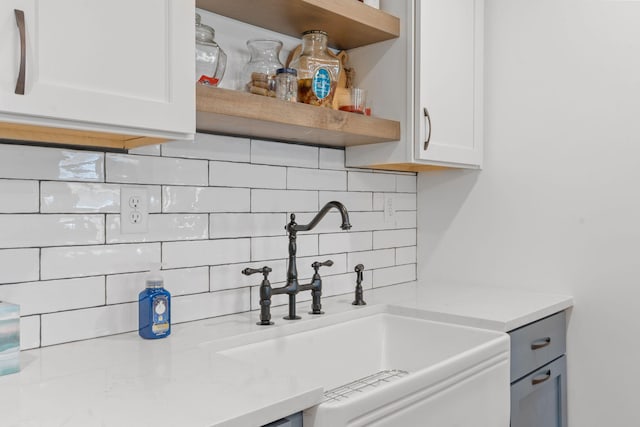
x: 316, y: 265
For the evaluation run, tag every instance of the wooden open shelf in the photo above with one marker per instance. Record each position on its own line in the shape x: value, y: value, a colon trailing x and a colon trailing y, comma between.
x: 349, y: 23
x: 231, y: 112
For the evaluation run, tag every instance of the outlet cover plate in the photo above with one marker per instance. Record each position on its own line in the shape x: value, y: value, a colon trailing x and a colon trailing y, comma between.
x: 134, y: 210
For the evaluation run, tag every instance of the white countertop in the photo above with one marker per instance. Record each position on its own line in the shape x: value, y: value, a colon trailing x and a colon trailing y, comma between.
x: 183, y: 380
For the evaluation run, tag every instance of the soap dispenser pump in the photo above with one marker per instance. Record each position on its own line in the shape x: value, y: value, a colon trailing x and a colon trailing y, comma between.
x: 154, y: 307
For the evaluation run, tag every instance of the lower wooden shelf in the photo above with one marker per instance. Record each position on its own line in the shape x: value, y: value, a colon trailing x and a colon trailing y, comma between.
x: 231, y: 112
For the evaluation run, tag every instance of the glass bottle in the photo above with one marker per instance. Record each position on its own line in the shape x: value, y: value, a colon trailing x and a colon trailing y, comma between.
x: 258, y: 75
x: 154, y: 308
x: 287, y: 84
x: 318, y: 71
x: 211, y: 60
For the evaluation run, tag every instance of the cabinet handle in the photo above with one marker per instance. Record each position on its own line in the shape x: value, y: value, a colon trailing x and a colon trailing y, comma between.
x: 426, y: 114
x: 23, y: 52
x: 541, y: 343
x: 541, y: 378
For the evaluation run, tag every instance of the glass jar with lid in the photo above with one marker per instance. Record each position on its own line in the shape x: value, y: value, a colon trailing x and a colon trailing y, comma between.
x: 259, y: 74
x: 211, y: 60
x: 318, y: 71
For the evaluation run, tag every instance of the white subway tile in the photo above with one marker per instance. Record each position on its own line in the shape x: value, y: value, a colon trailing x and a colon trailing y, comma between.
x: 247, y: 225
x: 406, y: 183
x: 283, y: 154
x: 162, y: 227
x: 266, y: 248
x: 20, y: 231
x: 126, y: 287
x: 394, y: 275
x: 55, y: 295
x: 371, y: 259
x: 316, y: 179
x: 17, y: 196
x: 331, y: 159
x: 146, y: 150
x: 29, y: 332
x: 210, y: 304
x: 284, y: 201
x: 210, y: 147
x: 401, y: 202
x: 354, y: 201
x: 19, y: 265
x: 205, y: 252
x: 406, y: 255
x: 369, y: 181
x: 345, y: 242
x: 77, y: 325
x: 366, y: 221
x: 225, y: 174
x: 82, y: 261
x: 23, y: 162
x: 124, y: 168
x: 230, y: 276
x: 206, y: 199
x: 76, y: 197
x: 406, y: 219
x: 394, y: 238
x: 344, y: 284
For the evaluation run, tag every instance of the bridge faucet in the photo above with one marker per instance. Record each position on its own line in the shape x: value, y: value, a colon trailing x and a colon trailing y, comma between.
x: 292, y: 286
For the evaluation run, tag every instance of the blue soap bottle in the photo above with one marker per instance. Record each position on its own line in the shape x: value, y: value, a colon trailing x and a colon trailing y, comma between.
x: 154, y: 308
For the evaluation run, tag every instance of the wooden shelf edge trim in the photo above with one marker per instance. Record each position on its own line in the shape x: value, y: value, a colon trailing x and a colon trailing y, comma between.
x: 73, y: 137
x: 218, y: 110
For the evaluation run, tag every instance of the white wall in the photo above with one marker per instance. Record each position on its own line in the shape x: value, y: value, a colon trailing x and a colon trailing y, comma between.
x: 557, y: 206
x: 217, y: 204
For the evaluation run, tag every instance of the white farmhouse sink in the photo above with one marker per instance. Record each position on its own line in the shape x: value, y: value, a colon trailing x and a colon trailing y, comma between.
x: 440, y: 375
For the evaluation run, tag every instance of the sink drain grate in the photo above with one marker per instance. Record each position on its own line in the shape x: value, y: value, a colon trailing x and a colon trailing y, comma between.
x: 362, y: 385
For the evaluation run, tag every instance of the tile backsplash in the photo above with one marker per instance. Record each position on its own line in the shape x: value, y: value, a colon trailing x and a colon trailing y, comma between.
x: 217, y: 205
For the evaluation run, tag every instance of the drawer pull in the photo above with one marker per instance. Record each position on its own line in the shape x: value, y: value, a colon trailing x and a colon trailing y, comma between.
x: 541, y: 343
x: 23, y: 52
x: 541, y: 378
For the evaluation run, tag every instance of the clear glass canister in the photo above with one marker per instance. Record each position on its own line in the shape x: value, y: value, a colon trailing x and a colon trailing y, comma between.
x: 287, y: 84
x: 318, y: 71
x: 211, y: 60
x: 259, y: 73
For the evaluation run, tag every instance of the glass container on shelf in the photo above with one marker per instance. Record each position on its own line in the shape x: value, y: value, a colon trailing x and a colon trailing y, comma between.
x: 318, y: 71
x: 259, y: 74
x: 211, y: 60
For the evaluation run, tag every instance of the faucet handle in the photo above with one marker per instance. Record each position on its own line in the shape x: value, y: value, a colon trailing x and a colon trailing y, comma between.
x: 316, y: 265
x: 264, y: 270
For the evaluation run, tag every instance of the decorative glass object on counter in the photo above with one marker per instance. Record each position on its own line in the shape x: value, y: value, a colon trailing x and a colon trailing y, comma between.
x: 211, y: 60
x: 318, y: 71
x: 259, y: 74
x: 287, y: 84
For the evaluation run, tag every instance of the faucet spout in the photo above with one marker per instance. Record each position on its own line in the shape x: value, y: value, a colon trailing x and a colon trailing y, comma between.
x: 346, y: 225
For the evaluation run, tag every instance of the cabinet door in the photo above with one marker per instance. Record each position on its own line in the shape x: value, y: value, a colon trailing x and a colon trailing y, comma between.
x: 540, y: 399
x: 449, y: 49
x: 107, y: 65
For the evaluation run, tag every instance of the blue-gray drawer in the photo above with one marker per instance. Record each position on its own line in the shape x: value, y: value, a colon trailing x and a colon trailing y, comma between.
x: 537, y: 344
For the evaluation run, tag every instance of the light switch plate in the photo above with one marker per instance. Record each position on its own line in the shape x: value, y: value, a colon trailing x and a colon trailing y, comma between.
x: 389, y: 209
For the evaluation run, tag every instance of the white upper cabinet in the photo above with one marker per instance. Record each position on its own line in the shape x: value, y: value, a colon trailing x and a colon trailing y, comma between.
x: 437, y: 95
x: 118, y: 67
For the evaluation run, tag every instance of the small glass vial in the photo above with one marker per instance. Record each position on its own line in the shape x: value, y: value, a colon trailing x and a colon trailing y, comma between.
x: 318, y: 71
x: 154, y: 308
x: 211, y: 60
x: 287, y: 84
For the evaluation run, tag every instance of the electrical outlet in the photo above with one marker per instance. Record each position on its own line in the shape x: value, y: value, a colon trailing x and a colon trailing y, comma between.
x: 134, y: 210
